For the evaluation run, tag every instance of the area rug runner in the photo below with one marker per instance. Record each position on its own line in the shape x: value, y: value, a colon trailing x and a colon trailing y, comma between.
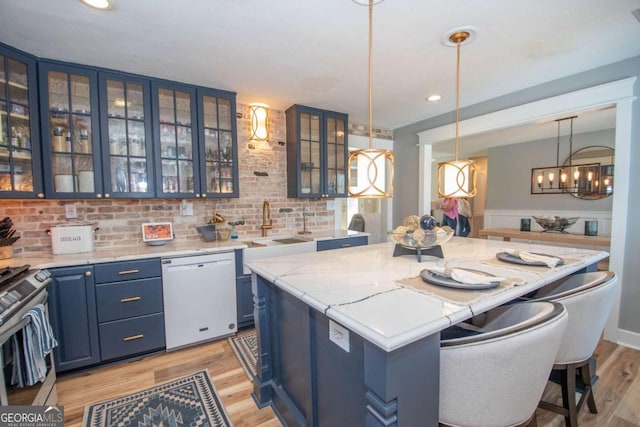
x: 245, y: 346
x: 188, y: 401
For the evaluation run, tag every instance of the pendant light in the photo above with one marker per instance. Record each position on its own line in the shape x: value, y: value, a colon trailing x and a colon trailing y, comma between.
x: 370, y: 169
x: 457, y: 178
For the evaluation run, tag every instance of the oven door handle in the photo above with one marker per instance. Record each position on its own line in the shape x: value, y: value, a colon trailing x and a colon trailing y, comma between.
x: 41, y: 298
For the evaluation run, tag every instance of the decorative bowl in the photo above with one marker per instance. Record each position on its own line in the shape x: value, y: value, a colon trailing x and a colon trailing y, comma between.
x: 555, y: 223
x: 208, y: 232
x: 425, y: 239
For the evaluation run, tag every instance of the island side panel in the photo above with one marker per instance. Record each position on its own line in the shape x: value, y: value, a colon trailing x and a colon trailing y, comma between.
x: 403, y: 385
x: 283, y: 377
x: 310, y: 381
x: 340, y: 385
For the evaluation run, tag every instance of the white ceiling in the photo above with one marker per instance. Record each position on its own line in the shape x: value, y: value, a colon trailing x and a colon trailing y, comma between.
x: 282, y: 52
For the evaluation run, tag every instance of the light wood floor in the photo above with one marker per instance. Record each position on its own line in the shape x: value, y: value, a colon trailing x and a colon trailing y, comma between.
x: 617, y: 392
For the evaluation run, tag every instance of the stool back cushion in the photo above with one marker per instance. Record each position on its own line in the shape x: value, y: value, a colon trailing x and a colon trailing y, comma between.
x: 588, y: 311
x: 499, y: 381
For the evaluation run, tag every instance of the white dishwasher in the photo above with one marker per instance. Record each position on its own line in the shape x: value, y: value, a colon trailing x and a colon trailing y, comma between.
x: 199, y: 295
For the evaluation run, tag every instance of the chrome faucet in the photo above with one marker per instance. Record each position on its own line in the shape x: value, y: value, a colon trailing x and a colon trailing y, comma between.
x: 267, y: 222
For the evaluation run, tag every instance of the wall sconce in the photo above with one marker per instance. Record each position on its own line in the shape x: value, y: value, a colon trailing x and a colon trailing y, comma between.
x: 259, y: 122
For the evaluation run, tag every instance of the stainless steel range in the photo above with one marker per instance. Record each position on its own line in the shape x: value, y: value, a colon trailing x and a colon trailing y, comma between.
x: 21, y: 289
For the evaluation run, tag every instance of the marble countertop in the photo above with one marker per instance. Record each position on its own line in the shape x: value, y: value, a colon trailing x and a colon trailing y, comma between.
x: 171, y: 248
x: 361, y: 287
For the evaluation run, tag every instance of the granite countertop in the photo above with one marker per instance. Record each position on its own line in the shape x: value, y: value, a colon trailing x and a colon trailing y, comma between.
x: 369, y: 291
x: 171, y: 248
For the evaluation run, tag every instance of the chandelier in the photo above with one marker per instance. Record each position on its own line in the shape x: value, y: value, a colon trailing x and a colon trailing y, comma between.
x: 581, y: 179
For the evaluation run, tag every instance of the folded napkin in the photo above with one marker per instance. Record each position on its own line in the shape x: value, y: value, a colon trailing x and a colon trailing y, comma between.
x: 465, y: 276
x: 549, y: 261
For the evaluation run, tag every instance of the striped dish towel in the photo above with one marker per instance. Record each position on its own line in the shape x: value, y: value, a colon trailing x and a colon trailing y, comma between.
x: 37, y: 344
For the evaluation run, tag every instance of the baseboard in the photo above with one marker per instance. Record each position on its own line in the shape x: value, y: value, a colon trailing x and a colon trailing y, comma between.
x: 629, y: 339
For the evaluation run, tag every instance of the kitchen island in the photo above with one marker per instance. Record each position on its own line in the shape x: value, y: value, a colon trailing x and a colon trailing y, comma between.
x: 351, y: 337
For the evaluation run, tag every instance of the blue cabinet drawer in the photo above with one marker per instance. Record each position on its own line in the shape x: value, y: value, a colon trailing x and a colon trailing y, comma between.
x: 129, y: 299
x: 127, y: 337
x: 127, y: 270
x: 324, y: 245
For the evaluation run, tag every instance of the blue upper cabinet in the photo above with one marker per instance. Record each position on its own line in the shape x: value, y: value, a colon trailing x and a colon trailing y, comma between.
x: 70, y: 131
x: 195, y: 141
x: 218, y: 149
x: 316, y: 153
x: 127, y: 148
x: 20, y: 161
x: 175, y: 131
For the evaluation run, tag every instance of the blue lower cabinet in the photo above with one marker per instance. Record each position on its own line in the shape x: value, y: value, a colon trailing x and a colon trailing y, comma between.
x: 72, y: 312
x: 128, y: 299
x: 244, y: 298
x: 128, y: 337
x: 347, y: 242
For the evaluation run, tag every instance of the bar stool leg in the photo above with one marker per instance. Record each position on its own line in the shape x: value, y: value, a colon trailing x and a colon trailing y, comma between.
x: 586, y: 374
x: 568, y: 377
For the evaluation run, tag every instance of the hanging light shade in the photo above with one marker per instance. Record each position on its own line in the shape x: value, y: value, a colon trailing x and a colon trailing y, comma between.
x: 457, y: 178
x: 371, y: 169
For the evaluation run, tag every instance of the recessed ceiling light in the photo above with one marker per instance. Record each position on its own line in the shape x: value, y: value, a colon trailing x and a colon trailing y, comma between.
x: 98, y: 4
x: 434, y: 98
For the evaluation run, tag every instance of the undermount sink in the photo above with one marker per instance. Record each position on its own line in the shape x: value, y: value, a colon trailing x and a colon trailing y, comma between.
x: 267, y: 247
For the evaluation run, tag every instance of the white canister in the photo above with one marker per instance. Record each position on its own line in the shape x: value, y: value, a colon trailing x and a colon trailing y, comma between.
x: 85, y: 182
x: 63, y: 183
x: 70, y: 239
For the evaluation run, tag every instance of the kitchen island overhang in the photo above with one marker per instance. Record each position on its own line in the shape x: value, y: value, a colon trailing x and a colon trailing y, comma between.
x: 310, y: 307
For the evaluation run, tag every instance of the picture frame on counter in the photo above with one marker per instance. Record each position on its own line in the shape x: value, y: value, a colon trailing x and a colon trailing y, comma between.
x: 157, y: 232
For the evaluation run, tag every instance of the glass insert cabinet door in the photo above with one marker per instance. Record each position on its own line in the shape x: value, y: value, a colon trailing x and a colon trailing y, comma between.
x: 175, y: 140
x: 336, y: 154
x: 127, y: 161
x: 70, y: 113
x: 19, y: 155
x: 310, y: 151
x: 219, y: 154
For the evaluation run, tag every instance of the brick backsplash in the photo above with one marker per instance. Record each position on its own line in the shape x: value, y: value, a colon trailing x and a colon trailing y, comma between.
x: 119, y: 220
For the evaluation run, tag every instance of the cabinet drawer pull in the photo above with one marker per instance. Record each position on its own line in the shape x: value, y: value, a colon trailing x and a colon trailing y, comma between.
x: 128, y: 272
x: 345, y: 245
x: 131, y: 299
x: 133, y: 337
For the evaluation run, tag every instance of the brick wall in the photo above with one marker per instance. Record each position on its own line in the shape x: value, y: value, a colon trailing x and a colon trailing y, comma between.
x: 363, y: 130
x: 119, y: 220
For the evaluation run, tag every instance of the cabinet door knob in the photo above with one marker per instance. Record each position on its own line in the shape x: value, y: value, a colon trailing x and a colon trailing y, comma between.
x: 87, y: 273
x: 40, y: 195
x: 197, y: 195
x: 204, y: 195
x: 107, y: 195
x: 99, y: 196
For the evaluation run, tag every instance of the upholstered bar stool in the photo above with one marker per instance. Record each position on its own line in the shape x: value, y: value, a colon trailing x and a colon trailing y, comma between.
x: 588, y: 298
x: 497, y: 376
